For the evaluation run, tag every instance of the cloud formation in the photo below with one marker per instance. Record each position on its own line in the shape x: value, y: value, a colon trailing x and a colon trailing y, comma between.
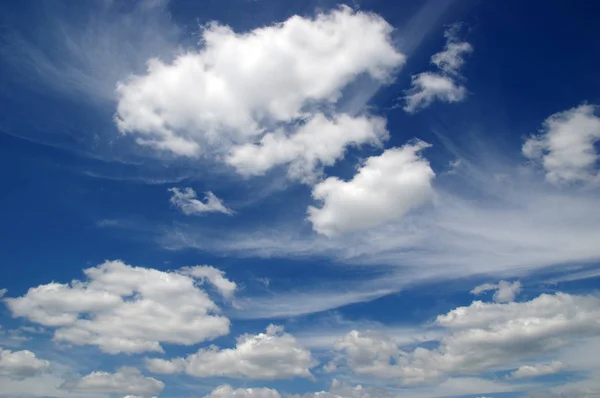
x: 565, y: 146
x: 384, y: 188
x: 125, y: 309
x: 265, y: 356
x: 426, y: 87
x: 19, y: 365
x: 186, y: 201
x: 226, y: 391
x: 126, y: 380
x: 504, y: 292
x: 208, y: 99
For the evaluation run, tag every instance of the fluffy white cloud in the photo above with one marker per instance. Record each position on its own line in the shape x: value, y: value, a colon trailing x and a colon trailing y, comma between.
x: 215, y: 276
x: 268, y: 356
x: 121, y: 308
x: 537, y: 370
x: 240, y: 85
x: 125, y: 381
x: 186, y: 201
x: 565, y: 146
x: 504, y: 291
x: 321, y: 141
x: 21, y: 364
x: 226, y: 391
x: 384, y: 188
x: 427, y: 87
x: 482, y: 336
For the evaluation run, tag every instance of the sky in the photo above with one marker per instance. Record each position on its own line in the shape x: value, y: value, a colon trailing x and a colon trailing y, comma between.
x: 300, y: 199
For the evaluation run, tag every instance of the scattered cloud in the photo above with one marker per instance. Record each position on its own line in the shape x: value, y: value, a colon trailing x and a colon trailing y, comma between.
x: 384, y: 188
x: 21, y: 364
x: 215, y: 276
x: 505, y: 292
x: 126, y: 380
x: 426, y: 87
x: 537, y: 370
x: 482, y: 336
x: 124, y: 309
x: 565, y: 147
x: 185, y: 200
x: 265, y: 356
x: 226, y: 391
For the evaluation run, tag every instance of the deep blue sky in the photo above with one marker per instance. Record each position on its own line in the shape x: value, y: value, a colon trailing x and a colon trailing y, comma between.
x: 77, y: 192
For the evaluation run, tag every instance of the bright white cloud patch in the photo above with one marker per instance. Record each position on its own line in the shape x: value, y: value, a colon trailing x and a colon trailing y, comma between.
x: 20, y: 364
x: 504, y: 291
x: 566, y: 145
x: 126, y: 381
x: 226, y: 391
x: 482, y: 336
x: 121, y: 308
x: 384, y: 188
x: 427, y: 87
x: 321, y: 141
x: 185, y: 200
x: 267, y: 356
x: 537, y: 370
x: 215, y: 276
x: 240, y: 84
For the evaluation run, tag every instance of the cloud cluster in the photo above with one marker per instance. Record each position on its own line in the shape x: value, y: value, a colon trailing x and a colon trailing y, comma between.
x: 482, y: 336
x: 126, y: 309
x: 384, y: 188
x: 186, y: 201
x: 226, y: 391
x: 21, y: 364
x: 565, y: 147
x: 527, y: 371
x: 427, y: 87
x: 126, y: 380
x: 242, y: 88
x: 266, y: 356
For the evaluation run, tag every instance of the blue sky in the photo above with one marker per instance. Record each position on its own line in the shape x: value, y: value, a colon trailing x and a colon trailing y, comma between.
x: 297, y: 199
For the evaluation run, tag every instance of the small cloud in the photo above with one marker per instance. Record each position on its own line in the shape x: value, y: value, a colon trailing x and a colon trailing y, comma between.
x: 186, y: 201
x: 505, y: 291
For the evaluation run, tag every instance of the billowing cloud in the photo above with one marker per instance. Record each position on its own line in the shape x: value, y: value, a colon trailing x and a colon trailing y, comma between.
x: 122, y: 308
x: 565, y: 147
x: 504, y: 291
x: 185, y: 200
x: 266, y: 356
x: 240, y: 84
x: 427, y: 87
x: 482, y: 336
x: 384, y: 188
x: 215, y: 276
x: 537, y: 370
x: 226, y: 391
x: 321, y: 141
x: 21, y: 364
x: 126, y: 380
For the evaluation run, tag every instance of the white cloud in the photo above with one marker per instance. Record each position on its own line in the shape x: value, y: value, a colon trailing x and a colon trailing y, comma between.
x: 121, y: 308
x: 427, y: 87
x: 226, y: 391
x: 384, y: 188
x: 215, y: 276
x: 537, y: 370
x: 21, y: 364
x: 504, y: 291
x: 321, y: 141
x: 185, y: 200
x: 267, y: 356
x: 565, y: 145
x: 125, y: 381
x: 482, y: 336
x: 251, y: 93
